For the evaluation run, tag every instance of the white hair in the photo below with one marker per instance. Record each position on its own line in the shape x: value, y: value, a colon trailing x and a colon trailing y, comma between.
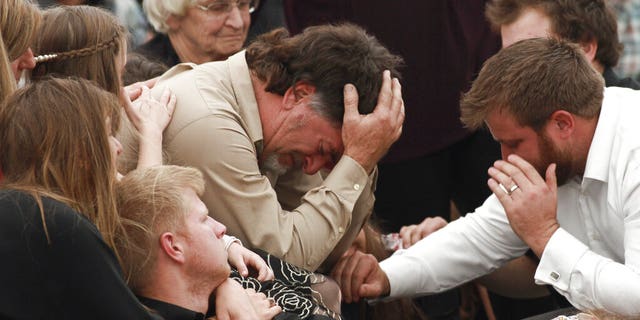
x: 158, y: 11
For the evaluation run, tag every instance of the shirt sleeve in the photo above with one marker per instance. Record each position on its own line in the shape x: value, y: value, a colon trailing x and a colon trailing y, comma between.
x: 589, y: 280
x: 241, y: 197
x: 463, y: 250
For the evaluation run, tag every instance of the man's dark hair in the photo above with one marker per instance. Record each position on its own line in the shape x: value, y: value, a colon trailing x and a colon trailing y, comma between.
x: 574, y: 20
x: 327, y: 57
x: 140, y: 68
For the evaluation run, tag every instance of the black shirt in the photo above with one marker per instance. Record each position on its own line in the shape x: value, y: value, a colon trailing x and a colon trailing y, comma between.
x: 74, y: 276
x: 171, y: 311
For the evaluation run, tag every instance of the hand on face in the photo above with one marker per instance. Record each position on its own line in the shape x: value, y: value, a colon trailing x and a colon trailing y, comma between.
x: 415, y: 232
x: 531, y: 206
x: 242, y: 258
x: 360, y: 276
x: 367, y: 137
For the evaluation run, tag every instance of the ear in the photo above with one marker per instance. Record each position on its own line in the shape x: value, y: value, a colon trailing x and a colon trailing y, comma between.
x: 174, y: 22
x: 173, y: 247
x: 590, y: 49
x: 297, y: 93
x: 561, y: 124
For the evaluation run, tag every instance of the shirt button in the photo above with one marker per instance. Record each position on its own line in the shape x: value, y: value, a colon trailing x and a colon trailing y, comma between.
x: 554, y: 275
x: 340, y: 229
x: 356, y: 187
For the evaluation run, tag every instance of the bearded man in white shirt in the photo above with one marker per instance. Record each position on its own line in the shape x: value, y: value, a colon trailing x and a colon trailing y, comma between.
x: 568, y: 187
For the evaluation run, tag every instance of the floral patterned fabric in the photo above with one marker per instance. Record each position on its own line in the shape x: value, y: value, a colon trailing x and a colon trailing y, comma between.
x: 292, y: 289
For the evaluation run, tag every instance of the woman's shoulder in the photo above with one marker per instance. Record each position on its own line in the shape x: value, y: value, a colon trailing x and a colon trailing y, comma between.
x: 21, y: 209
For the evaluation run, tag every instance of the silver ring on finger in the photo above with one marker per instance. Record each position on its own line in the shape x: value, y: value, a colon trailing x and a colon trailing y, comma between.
x: 503, y: 188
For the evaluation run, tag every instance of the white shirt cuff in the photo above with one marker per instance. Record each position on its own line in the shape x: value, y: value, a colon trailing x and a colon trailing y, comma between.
x: 559, y: 258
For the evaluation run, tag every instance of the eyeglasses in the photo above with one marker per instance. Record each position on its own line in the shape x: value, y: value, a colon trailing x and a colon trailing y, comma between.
x: 223, y: 7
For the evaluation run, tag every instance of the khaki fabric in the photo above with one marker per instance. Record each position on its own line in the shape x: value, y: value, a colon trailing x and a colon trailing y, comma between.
x: 216, y: 128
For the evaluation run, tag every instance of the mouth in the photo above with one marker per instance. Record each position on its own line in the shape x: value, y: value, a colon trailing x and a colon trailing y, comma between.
x: 232, y: 37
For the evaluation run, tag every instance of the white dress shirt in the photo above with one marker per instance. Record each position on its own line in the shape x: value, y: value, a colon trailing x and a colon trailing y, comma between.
x: 593, y: 259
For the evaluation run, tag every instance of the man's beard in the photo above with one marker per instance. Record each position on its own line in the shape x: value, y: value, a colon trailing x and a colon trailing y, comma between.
x: 273, y: 165
x: 550, y: 153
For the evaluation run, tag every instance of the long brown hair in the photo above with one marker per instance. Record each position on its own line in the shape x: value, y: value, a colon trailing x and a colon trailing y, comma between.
x: 81, y: 41
x: 19, y: 21
x: 54, y: 144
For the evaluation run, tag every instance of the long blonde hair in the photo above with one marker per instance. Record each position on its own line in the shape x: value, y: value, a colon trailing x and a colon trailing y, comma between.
x: 19, y: 20
x: 54, y: 142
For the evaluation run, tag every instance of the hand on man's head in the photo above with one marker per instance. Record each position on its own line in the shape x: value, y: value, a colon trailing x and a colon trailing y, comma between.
x: 367, y: 138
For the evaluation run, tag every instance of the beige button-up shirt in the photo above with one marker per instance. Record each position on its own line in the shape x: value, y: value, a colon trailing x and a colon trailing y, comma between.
x: 304, y: 219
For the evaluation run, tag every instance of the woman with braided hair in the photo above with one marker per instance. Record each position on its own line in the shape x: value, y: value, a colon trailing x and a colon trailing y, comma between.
x: 82, y: 41
x: 89, y: 42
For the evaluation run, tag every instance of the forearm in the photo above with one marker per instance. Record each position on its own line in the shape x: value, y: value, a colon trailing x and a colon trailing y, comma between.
x: 463, y: 250
x: 150, y: 148
x: 515, y: 280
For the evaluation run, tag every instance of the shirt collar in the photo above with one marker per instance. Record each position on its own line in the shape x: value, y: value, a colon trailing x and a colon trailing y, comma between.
x: 247, y: 106
x: 170, y: 311
x: 599, y: 157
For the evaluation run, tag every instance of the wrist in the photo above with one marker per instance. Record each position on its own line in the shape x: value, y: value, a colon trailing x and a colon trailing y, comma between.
x: 538, y: 244
x: 386, y: 286
x: 368, y: 166
x: 150, y: 132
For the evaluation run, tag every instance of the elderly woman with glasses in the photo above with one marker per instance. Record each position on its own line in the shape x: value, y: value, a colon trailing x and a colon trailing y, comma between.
x: 196, y: 31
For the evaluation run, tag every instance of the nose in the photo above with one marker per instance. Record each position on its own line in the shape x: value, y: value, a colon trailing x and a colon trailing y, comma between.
x: 219, y: 229
x: 234, y: 20
x: 505, y: 151
x: 313, y: 164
